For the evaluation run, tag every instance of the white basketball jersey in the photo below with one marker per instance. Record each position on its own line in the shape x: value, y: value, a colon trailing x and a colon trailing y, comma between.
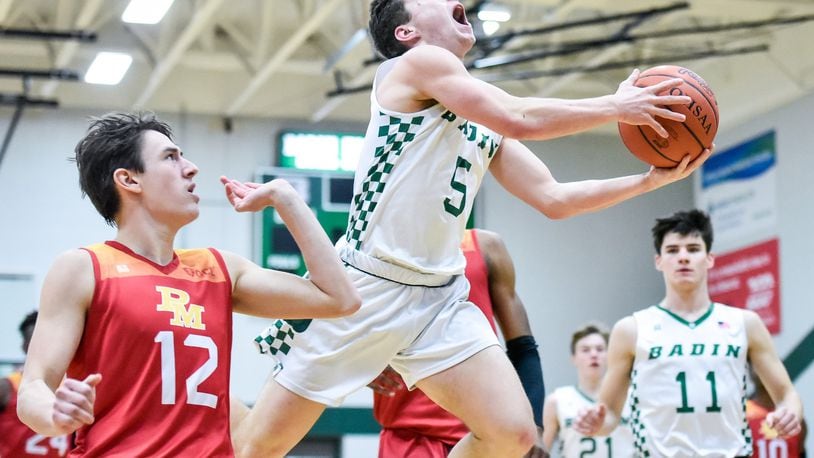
x: 689, y: 384
x: 415, y: 185
x: 570, y: 400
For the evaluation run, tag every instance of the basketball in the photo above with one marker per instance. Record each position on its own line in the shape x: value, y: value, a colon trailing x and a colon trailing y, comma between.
x: 691, y: 137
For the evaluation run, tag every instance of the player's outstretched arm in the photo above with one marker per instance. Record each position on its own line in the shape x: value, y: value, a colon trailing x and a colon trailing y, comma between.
x: 437, y: 74
x: 48, y: 403
x: 522, y: 173
x: 788, y: 413
x: 327, y: 292
x: 602, y: 418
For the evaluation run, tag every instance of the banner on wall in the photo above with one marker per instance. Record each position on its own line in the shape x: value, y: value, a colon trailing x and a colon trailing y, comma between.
x: 749, y: 278
x: 738, y: 190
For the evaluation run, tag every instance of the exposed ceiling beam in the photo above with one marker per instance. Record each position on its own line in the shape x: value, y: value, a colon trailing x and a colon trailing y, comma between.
x: 749, y: 9
x: 606, y: 55
x: 221, y: 61
x: 625, y: 64
x: 264, y: 38
x: 68, y: 50
x: 5, y: 7
x: 64, y: 12
x: 334, y: 102
x: 286, y: 50
x: 359, y: 36
x: 199, y: 21
x: 245, y: 42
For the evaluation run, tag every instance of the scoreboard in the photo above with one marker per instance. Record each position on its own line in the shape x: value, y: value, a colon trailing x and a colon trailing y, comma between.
x: 327, y: 193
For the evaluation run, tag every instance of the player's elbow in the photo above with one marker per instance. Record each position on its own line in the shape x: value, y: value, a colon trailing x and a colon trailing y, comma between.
x: 353, y: 304
x: 28, y: 418
x: 556, y: 213
x: 346, y: 305
x: 517, y: 126
x: 555, y: 209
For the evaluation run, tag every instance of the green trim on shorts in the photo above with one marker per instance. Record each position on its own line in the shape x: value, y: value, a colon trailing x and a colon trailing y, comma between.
x: 338, y: 421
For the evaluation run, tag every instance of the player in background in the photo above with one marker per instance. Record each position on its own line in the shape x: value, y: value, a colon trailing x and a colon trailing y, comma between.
x: 17, y: 439
x: 589, y: 356
x: 686, y: 360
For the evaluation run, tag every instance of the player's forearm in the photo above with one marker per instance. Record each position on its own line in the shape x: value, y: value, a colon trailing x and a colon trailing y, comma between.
x: 523, y: 354
x: 610, y: 423
x: 544, y: 119
x: 791, y: 401
x: 35, y: 405
x: 325, y: 269
x: 579, y: 197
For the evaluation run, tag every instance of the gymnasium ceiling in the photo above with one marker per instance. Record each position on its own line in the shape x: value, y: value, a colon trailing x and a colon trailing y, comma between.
x: 282, y: 58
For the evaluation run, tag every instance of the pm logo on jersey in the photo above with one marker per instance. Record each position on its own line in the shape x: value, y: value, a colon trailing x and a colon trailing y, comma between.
x: 184, y: 314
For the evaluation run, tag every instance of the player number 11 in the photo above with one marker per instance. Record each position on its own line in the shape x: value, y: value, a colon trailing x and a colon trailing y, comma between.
x: 681, y: 378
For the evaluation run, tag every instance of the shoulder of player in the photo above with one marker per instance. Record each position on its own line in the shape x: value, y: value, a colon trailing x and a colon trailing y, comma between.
x: 73, y: 261
x: 234, y: 262
x: 70, y: 281
x: 750, y: 318
x: 753, y: 325
x: 624, y: 333
x: 626, y: 325
x: 429, y: 60
x: 489, y: 241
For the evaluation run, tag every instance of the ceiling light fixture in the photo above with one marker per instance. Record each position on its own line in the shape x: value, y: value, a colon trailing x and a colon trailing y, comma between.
x: 146, y: 11
x: 108, y: 68
x: 490, y: 27
x: 493, y: 12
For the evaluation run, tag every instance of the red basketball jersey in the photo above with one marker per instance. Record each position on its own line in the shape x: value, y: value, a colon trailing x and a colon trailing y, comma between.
x: 413, y: 410
x: 765, y: 447
x: 161, y: 338
x: 18, y: 440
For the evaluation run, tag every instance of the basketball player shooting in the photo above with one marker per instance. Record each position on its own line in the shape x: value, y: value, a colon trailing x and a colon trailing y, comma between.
x: 434, y: 132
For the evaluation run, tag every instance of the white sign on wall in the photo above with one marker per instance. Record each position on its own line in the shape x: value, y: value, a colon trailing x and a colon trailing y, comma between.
x: 737, y: 189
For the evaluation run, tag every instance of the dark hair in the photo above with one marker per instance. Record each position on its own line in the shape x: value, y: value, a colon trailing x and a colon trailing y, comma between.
x: 691, y: 222
x: 113, y: 141
x: 585, y: 331
x: 29, y: 320
x: 385, y: 16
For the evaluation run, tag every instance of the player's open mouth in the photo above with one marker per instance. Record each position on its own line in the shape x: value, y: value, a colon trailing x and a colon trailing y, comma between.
x: 459, y: 14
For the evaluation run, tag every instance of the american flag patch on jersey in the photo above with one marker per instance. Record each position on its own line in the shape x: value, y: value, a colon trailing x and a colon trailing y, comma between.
x: 275, y: 339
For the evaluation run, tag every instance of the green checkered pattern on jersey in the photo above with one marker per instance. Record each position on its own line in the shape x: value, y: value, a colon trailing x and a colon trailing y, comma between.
x: 396, y: 132
x: 275, y: 339
x: 746, y: 431
x: 636, y: 425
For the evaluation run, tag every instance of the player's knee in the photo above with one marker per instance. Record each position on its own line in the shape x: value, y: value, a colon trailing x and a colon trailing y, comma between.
x: 513, y: 438
x: 525, y: 437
